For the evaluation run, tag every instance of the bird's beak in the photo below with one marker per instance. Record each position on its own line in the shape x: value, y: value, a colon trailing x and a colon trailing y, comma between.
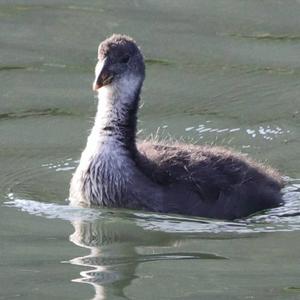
x: 103, y: 75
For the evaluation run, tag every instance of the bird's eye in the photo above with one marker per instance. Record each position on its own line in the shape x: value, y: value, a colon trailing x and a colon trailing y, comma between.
x: 124, y: 59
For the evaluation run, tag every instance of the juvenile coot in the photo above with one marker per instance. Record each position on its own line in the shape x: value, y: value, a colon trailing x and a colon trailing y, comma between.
x: 115, y: 171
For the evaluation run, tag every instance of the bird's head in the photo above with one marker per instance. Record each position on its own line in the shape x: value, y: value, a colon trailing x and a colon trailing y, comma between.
x: 120, y: 64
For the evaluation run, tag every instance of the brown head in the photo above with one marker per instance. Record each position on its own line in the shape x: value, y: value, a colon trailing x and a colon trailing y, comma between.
x: 119, y: 60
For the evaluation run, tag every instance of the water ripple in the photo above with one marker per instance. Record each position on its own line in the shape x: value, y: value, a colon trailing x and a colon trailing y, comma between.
x: 35, y: 113
x: 284, y: 218
x: 267, y: 132
x: 66, y: 165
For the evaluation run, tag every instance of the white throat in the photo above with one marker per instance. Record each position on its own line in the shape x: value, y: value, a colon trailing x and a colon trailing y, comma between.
x: 114, y: 100
x: 105, y: 149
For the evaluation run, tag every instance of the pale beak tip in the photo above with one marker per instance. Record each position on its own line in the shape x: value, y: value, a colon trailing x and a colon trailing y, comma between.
x: 95, y: 87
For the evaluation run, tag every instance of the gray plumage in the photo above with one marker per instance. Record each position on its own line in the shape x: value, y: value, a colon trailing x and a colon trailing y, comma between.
x: 115, y: 171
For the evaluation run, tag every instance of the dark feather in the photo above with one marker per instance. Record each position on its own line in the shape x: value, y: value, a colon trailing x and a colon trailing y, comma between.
x: 210, y: 181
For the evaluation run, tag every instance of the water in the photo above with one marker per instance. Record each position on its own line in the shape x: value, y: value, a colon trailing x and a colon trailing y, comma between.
x: 218, y: 72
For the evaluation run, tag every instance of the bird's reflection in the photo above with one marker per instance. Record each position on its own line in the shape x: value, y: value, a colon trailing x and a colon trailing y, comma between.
x: 116, y: 249
x: 113, y: 256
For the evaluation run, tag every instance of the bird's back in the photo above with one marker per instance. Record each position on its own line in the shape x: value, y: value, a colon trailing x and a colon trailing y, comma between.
x: 210, y: 181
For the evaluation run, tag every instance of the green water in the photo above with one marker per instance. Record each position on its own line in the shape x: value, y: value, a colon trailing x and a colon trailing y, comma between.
x: 218, y: 72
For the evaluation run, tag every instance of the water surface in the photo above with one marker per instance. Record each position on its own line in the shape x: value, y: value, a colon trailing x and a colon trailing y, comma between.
x: 218, y: 72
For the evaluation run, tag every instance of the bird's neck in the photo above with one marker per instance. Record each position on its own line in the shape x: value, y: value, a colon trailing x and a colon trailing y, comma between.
x: 116, y: 118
